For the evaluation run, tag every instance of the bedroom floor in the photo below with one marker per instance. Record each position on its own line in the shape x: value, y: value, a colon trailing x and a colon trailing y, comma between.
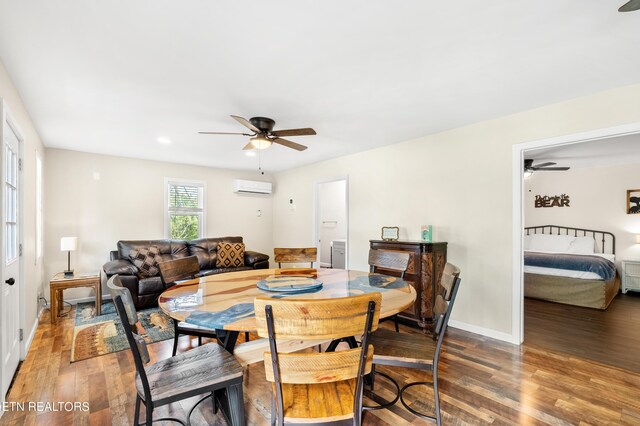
x: 611, y: 337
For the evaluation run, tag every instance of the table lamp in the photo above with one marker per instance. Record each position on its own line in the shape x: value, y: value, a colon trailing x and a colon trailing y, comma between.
x: 68, y: 244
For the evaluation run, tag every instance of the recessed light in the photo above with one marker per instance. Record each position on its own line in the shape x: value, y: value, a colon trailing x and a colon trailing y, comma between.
x: 250, y: 153
x: 165, y: 141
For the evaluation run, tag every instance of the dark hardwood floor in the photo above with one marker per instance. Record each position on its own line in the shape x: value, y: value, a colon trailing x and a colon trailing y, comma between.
x: 611, y: 337
x: 483, y: 381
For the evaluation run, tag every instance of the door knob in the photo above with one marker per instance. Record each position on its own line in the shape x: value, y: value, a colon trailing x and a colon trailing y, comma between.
x: 10, y: 281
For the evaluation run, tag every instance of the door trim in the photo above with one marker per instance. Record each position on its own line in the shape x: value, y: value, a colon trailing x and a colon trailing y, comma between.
x: 517, y: 158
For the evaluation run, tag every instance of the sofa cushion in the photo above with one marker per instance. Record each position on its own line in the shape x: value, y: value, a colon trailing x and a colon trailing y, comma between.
x: 151, y: 285
x: 206, y: 249
x: 120, y: 267
x: 146, y: 260
x: 230, y: 255
x: 168, y: 249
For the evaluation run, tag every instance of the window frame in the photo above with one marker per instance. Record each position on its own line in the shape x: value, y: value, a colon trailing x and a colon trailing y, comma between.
x: 167, y: 210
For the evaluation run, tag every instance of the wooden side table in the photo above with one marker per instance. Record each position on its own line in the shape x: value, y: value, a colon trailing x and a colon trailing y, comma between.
x: 59, y: 283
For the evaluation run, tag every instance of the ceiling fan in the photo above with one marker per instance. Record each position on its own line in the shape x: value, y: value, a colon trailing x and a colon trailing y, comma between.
x: 263, y: 134
x: 529, y: 167
x: 630, y: 6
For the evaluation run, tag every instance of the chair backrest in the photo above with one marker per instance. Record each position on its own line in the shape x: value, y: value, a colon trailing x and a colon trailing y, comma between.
x: 443, y: 305
x: 295, y: 255
x: 138, y: 347
x: 117, y: 289
x: 389, y: 261
x: 318, y: 319
x: 183, y: 268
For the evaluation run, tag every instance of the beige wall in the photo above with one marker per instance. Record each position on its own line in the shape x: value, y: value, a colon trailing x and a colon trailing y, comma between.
x: 460, y: 182
x: 127, y: 203
x: 598, y: 201
x: 32, y: 278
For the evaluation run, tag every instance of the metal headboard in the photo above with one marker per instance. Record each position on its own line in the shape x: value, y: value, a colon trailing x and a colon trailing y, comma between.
x: 602, y: 236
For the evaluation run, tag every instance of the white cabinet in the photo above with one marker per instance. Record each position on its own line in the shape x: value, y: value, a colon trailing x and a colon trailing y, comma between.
x: 630, y: 275
x: 338, y: 254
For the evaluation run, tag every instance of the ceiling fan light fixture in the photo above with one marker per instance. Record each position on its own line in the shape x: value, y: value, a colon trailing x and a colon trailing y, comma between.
x: 527, y: 174
x: 260, y: 142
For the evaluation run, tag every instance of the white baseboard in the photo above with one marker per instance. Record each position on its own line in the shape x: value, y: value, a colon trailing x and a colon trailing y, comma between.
x: 487, y: 332
x: 24, y: 349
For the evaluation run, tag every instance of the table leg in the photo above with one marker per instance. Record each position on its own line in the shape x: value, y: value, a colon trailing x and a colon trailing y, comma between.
x: 53, y: 304
x: 98, y: 299
x: 227, y: 339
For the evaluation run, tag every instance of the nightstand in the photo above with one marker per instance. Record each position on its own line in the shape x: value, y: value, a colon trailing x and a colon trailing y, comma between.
x: 630, y: 275
x: 59, y: 283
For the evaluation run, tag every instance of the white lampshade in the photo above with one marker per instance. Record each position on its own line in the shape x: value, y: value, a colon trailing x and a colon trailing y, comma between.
x: 260, y: 142
x: 637, y: 239
x: 68, y: 243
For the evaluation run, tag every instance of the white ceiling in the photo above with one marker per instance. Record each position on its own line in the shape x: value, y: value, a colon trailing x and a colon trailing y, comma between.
x: 113, y: 76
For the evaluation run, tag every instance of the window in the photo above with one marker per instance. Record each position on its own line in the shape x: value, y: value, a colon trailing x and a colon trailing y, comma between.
x: 185, y: 209
x: 39, y: 217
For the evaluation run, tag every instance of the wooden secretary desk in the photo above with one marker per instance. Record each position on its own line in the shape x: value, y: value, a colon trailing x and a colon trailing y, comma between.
x: 424, y: 271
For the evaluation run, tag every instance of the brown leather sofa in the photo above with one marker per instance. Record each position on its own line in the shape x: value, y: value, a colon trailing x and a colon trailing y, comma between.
x: 145, y: 291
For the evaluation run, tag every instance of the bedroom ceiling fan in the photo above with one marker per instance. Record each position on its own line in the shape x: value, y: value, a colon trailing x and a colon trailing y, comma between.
x: 263, y: 134
x: 529, y: 168
x: 630, y: 6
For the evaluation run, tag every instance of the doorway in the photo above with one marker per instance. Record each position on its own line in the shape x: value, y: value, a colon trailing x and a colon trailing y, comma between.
x: 331, y: 224
x: 11, y: 286
x: 518, y: 155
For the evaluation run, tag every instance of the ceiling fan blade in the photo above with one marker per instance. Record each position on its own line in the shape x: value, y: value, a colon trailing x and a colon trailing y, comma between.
x: 307, y: 131
x: 226, y: 133
x: 246, y: 123
x: 289, y: 144
x: 537, y: 166
x: 630, y: 6
x: 551, y: 169
x: 248, y: 146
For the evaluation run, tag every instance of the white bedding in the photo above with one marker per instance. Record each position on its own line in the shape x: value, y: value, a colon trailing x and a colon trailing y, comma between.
x: 567, y: 272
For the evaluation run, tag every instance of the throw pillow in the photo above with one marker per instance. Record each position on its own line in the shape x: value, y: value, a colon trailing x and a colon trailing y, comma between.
x: 146, y: 259
x: 230, y: 255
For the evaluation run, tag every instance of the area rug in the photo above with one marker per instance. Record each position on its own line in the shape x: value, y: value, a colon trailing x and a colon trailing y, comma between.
x: 99, y: 335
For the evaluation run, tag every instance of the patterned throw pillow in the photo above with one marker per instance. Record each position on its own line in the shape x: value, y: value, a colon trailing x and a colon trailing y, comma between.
x: 230, y: 255
x: 146, y: 260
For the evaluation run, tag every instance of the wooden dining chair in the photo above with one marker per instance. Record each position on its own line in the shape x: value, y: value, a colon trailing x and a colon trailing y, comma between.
x: 332, y: 382
x: 295, y: 255
x: 394, y: 261
x: 416, y: 351
x: 172, y: 271
x: 203, y: 370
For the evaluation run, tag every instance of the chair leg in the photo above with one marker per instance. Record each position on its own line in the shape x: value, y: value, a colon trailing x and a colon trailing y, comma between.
x: 436, y: 397
x: 175, y: 337
x: 395, y: 320
x: 136, y: 416
x: 149, y: 414
x: 236, y: 405
x: 199, y: 340
x: 246, y: 336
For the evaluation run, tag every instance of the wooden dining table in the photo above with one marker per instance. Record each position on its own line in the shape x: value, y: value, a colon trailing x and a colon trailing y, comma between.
x: 224, y: 302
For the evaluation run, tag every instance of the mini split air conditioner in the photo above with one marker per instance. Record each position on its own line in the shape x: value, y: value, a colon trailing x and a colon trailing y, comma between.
x: 251, y: 187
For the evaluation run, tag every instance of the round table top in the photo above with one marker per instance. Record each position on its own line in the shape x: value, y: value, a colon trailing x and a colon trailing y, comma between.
x: 225, y: 301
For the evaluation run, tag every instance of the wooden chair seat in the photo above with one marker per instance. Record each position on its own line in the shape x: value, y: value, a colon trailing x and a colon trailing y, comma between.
x: 318, y: 402
x: 205, y: 368
x: 402, y: 349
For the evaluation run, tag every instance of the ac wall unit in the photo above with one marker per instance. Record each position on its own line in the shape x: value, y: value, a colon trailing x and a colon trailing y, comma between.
x: 252, y: 187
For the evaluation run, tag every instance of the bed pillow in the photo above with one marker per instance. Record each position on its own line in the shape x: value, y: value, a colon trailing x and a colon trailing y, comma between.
x: 582, y: 245
x: 553, y: 243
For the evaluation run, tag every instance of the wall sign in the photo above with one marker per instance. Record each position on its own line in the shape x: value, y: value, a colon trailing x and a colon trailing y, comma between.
x: 552, y: 201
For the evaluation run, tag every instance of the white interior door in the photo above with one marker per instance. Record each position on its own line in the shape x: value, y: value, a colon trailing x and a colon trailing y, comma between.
x: 10, y: 317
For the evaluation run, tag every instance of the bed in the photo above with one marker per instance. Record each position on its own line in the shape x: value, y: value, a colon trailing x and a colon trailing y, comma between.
x: 568, y: 265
